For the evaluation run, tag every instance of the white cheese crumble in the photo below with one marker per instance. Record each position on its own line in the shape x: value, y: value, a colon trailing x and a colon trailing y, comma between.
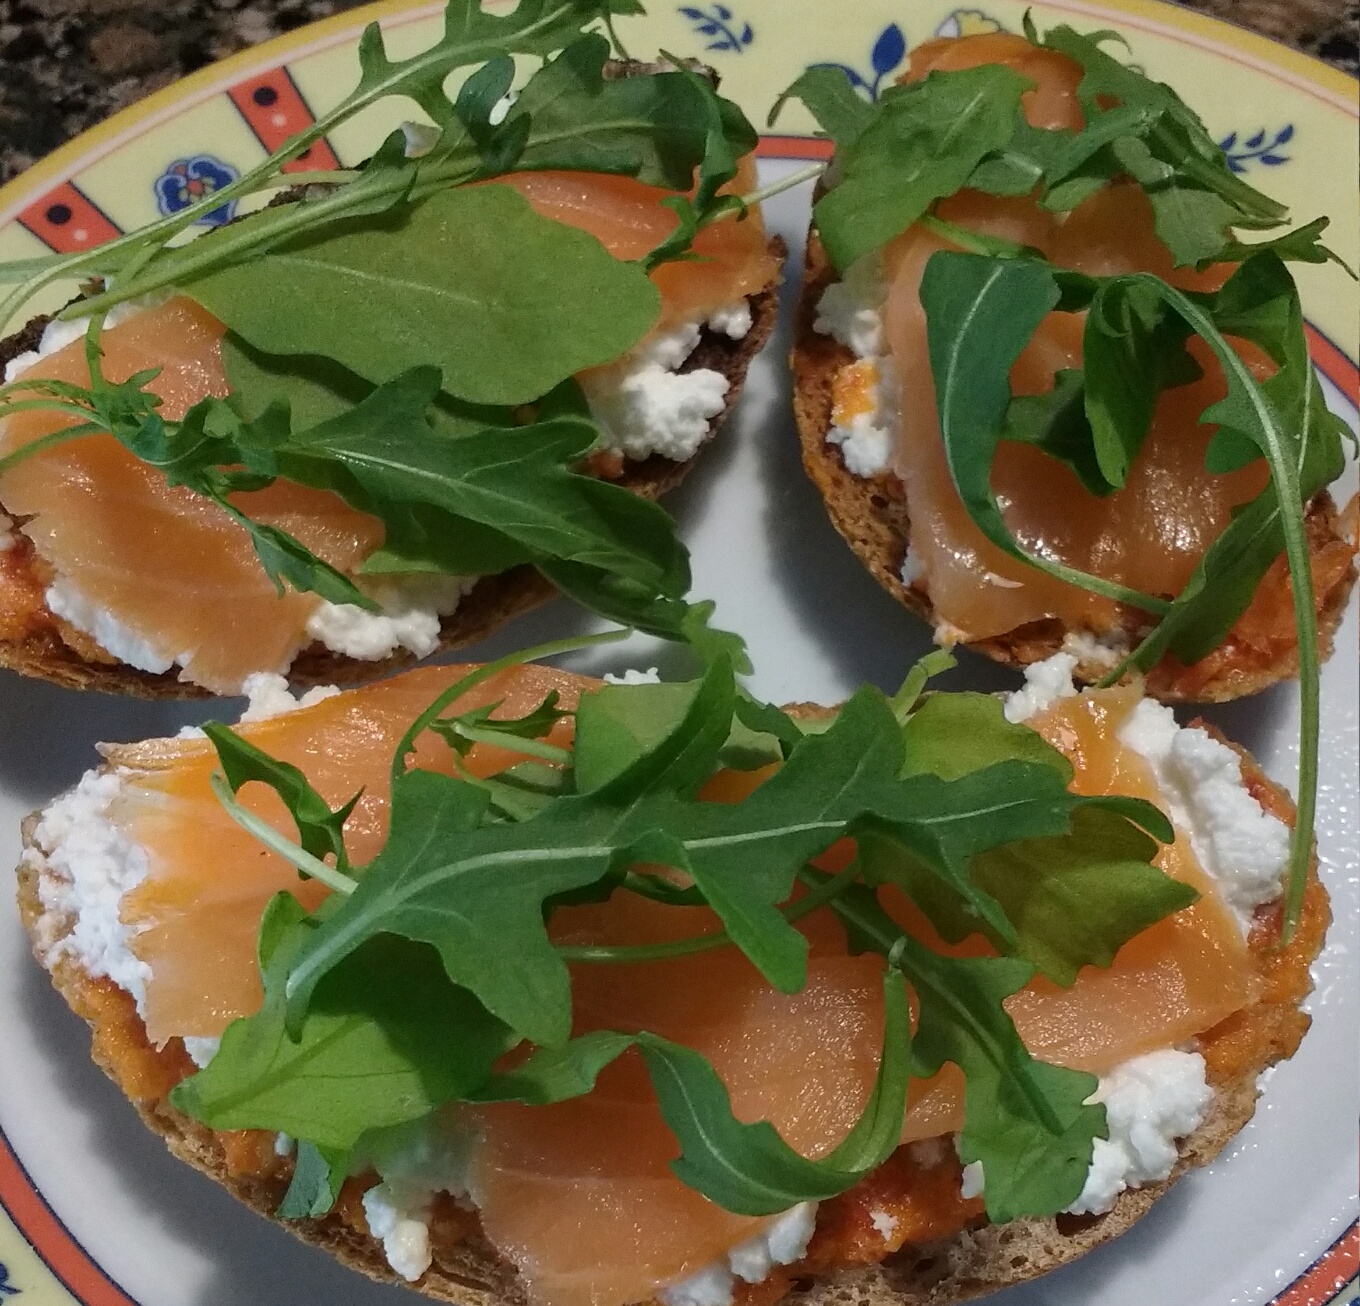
x: 1150, y: 1102
x: 633, y: 677
x: 270, y: 697
x: 398, y: 1219
x: 86, y: 864
x: 972, y: 1182
x: 201, y: 1049
x: 733, y: 321
x: 851, y: 311
x: 1104, y: 651
x: 866, y: 444
x: 782, y: 1242
x: 885, y: 1223
x: 645, y: 405
x: 284, y: 1144
x: 912, y: 567
x: 66, y: 601
x: 1045, y: 683
x: 1234, y: 839
x: 414, y: 1161
x: 412, y: 608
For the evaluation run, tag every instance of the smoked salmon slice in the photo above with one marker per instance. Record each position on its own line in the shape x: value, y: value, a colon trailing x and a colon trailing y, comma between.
x: 1150, y: 534
x: 171, y: 568
x: 579, y: 1195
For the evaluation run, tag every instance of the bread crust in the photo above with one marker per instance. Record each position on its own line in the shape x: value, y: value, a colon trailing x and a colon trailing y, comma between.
x: 870, y: 513
x: 979, y: 1260
x: 46, y: 648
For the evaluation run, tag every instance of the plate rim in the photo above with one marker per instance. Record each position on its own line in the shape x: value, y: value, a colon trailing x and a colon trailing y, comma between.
x: 73, y: 1267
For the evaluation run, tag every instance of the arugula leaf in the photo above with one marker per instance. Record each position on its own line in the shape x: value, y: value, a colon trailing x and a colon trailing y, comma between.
x: 477, y: 726
x: 953, y: 735
x: 1132, y: 349
x: 1055, y: 423
x: 1195, y: 196
x: 471, y: 280
x: 653, y: 128
x: 321, y: 831
x: 317, y: 1176
x: 923, y: 143
x: 980, y: 313
x: 387, y: 1039
x: 1300, y: 245
x: 634, y: 738
x: 827, y: 94
x: 744, y: 1168
x: 1025, y: 1120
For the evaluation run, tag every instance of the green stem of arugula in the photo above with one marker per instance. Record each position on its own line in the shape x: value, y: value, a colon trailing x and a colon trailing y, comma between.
x: 485, y: 672
x: 810, y: 173
x: 273, y: 840
x: 159, y: 233
x: 44, y: 442
x: 821, y: 893
x: 972, y: 241
x: 1285, y: 476
x: 932, y: 664
x: 498, y: 738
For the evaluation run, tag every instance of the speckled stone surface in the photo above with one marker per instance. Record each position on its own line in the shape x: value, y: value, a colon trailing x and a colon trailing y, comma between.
x: 66, y: 64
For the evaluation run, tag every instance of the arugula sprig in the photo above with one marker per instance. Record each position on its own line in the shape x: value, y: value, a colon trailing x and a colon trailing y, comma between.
x: 984, y: 298
x: 462, y: 894
x: 415, y: 351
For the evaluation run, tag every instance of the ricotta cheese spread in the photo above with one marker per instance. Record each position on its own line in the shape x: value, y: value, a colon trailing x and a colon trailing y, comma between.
x: 1235, y: 840
x: 85, y: 865
x: 782, y: 1242
x: 645, y: 405
x: 414, y: 1162
x: 1045, y: 683
x: 1150, y: 1102
x: 850, y: 311
x: 412, y: 608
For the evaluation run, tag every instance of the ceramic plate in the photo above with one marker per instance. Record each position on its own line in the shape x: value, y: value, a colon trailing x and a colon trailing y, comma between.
x: 92, y: 1209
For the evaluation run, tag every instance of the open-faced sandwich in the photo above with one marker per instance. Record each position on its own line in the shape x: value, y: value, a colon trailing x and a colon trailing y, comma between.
x: 402, y: 403
x: 517, y: 986
x: 1048, y: 396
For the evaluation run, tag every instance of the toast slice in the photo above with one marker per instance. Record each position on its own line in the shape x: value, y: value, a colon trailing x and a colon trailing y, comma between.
x: 36, y: 642
x: 871, y: 516
x: 467, y: 1269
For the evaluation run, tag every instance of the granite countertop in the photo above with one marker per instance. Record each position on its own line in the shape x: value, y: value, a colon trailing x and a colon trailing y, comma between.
x: 67, y: 64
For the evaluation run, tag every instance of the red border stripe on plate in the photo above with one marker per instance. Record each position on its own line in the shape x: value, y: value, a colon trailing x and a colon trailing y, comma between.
x: 794, y: 147
x: 1333, y: 364
x: 60, y: 1252
x: 1331, y: 1272
x: 68, y: 221
x: 274, y: 110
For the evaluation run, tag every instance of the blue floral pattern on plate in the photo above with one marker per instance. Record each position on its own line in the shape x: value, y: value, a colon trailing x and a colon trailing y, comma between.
x: 724, y: 30
x: 1258, y: 148
x: 7, y: 1289
x: 886, y: 56
x: 186, y: 181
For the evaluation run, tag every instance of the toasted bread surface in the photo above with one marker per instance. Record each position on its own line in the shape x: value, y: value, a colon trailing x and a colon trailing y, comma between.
x: 871, y: 515
x: 36, y: 643
x: 978, y: 1260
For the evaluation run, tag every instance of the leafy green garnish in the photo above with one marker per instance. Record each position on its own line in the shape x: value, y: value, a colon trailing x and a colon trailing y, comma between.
x: 984, y: 298
x: 414, y: 348
x: 454, y: 913
x: 1025, y: 1120
x: 386, y: 1040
